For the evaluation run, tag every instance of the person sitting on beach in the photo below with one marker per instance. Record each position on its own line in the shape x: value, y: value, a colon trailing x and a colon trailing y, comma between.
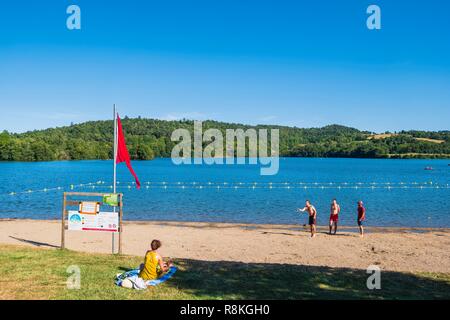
x: 361, y: 217
x: 312, y: 212
x: 154, y: 265
x: 334, y: 215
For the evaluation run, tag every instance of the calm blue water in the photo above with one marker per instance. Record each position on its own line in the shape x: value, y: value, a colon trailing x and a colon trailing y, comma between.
x: 417, y: 197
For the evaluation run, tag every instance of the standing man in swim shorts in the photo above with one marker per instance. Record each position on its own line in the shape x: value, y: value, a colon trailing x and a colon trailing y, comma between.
x: 334, y: 215
x: 312, y: 212
x: 361, y: 217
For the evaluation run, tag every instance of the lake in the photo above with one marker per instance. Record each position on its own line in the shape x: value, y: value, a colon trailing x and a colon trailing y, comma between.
x: 395, y: 192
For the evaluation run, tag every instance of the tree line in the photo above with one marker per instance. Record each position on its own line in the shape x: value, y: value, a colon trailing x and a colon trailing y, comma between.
x: 150, y: 138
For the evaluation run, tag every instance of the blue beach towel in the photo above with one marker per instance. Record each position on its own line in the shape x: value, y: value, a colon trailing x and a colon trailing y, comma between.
x: 133, y: 275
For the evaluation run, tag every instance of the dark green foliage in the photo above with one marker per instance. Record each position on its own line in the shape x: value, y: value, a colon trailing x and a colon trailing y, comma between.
x: 149, y: 138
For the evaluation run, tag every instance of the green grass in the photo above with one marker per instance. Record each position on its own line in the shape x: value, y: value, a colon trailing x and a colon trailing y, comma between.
x: 29, y: 273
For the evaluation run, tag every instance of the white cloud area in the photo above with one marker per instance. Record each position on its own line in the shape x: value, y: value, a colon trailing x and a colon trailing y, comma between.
x: 60, y: 116
x: 267, y: 118
x: 173, y: 116
x: 36, y: 120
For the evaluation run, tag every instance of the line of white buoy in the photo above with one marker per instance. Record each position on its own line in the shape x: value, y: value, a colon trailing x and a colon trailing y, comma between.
x: 277, y: 183
x: 71, y: 187
x: 199, y: 186
x: 245, y: 185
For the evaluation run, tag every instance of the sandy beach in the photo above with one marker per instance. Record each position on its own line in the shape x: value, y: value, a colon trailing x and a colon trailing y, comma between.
x: 395, y: 249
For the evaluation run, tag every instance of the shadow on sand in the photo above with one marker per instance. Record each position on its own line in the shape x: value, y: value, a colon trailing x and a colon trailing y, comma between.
x: 35, y: 243
x: 234, y: 280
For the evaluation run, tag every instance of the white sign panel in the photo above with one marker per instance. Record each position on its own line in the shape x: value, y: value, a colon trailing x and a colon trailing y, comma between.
x: 103, y: 221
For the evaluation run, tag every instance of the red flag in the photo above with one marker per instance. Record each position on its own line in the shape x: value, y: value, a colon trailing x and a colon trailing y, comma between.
x: 122, y: 151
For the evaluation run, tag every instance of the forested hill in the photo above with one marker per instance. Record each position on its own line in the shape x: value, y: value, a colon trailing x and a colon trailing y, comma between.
x: 149, y: 138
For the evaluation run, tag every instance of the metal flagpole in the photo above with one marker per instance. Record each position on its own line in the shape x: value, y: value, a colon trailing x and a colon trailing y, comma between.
x: 115, y: 166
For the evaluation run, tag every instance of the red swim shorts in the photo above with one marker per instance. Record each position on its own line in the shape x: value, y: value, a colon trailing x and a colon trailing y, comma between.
x: 334, y: 217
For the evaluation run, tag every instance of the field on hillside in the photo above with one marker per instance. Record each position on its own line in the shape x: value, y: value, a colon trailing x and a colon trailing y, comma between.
x: 390, y: 135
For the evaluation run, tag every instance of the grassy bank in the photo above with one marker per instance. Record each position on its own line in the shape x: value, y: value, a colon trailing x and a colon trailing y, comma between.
x: 29, y: 273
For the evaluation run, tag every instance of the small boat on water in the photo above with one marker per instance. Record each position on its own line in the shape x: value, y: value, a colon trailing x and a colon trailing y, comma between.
x: 428, y: 168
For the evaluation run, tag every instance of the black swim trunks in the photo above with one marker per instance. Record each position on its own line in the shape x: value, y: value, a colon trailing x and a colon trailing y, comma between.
x: 312, y: 221
x: 360, y: 222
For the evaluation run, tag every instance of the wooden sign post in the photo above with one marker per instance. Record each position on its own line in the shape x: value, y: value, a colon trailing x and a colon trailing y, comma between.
x: 76, y: 203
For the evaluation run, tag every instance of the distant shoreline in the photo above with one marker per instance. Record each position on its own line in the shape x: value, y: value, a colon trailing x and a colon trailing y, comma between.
x: 392, y: 157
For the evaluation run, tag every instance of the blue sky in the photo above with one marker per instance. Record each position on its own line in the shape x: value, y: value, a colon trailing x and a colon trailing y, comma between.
x: 299, y: 63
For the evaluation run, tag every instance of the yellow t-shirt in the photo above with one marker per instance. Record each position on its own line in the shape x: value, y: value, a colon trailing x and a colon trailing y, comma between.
x: 151, y: 269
